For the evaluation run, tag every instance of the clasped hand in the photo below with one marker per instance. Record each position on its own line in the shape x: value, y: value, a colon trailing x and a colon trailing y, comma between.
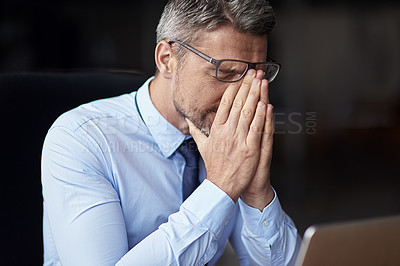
x: 238, y: 151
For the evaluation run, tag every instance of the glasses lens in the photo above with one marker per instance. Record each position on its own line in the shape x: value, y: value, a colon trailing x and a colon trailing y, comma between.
x: 231, y: 71
x: 270, y: 70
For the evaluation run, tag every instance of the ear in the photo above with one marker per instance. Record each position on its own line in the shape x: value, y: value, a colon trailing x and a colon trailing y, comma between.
x: 164, y: 57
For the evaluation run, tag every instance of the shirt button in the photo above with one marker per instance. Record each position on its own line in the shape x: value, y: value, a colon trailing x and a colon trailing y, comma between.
x: 266, y: 223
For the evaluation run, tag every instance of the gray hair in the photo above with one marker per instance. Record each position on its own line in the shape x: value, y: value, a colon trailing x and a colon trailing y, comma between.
x: 185, y: 20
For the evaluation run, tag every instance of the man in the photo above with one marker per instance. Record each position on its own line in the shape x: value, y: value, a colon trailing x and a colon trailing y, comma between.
x: 115, y: 174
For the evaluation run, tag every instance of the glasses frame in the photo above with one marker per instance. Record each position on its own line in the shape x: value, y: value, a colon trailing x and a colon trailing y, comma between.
x: 217, y: 62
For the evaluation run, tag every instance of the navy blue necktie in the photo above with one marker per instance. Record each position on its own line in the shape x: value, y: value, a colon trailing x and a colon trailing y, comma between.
x: 189, y: 151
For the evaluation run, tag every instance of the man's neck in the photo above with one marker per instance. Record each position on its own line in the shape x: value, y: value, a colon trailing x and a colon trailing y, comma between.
x: 161, y: 95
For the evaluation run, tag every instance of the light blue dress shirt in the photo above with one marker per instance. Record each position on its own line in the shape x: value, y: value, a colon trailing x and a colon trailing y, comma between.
x: 112, y: 189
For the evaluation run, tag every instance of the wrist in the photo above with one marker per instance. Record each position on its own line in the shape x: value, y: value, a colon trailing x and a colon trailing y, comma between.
x: 259, y: 200
x: 228, y: 188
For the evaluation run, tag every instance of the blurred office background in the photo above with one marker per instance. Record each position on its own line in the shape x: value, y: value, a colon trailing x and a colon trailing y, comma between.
x: 337, y: 98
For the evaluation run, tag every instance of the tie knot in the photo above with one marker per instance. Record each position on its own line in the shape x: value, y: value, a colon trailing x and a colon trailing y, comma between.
x: 189, y: 151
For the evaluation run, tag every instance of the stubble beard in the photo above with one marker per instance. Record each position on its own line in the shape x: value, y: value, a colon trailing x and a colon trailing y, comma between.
x: 197, y: 116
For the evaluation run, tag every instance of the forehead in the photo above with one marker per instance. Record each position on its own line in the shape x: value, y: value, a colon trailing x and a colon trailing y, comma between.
x: 227, y: 43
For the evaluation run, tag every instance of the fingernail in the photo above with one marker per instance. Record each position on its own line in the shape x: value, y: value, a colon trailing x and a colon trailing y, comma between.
x: 251, y: 72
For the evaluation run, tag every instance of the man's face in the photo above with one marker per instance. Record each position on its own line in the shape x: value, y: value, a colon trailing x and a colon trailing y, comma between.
x: 196, y: 91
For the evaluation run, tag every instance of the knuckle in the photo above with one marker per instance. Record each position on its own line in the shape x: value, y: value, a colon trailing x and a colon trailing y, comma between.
x: 225, y: 101
x: 269, y: 131
x: 247, y: 153
x: 255, y: 128
x: 260, y: 114
x: 253, y: 92
x: 246, y: 81
x: 246, y: 113
x: 238, y: 103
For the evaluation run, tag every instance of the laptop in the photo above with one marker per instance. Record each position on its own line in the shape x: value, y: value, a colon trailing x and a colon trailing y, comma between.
x: 367, y: 242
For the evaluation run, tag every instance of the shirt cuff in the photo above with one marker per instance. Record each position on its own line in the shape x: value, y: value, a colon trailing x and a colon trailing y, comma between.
x: 266, y: 222
x: 211, y: 205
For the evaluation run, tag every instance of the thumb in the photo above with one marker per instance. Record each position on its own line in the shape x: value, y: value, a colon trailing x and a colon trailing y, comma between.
x: 197, y: 135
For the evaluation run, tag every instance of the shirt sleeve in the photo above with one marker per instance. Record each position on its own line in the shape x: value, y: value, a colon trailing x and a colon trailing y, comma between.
x: 190, y: 236
x: 81, y: 206
x: 87, y: 224
x: 265, y: 238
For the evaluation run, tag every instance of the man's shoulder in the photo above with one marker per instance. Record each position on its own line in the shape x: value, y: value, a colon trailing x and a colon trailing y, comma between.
x: 108, y: 111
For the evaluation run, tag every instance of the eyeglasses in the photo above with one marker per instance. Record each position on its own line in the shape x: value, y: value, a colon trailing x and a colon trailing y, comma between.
x: 231, y: 70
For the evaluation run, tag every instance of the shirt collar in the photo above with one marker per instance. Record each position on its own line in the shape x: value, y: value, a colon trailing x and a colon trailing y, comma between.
x: 167, y: 137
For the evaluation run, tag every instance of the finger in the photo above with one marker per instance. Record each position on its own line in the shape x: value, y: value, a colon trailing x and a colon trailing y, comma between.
x: 257, y: 125
x: 240, y: 98
x: 267, y: 138
x: 249, y: 108
x: 269, y: 122
x: 225, y: 105
x: 260, y: 74
x: 197, y: 135
x: 264, y: 94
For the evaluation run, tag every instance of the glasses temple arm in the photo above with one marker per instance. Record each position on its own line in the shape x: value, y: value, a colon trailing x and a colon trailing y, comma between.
x: 204, y: 56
